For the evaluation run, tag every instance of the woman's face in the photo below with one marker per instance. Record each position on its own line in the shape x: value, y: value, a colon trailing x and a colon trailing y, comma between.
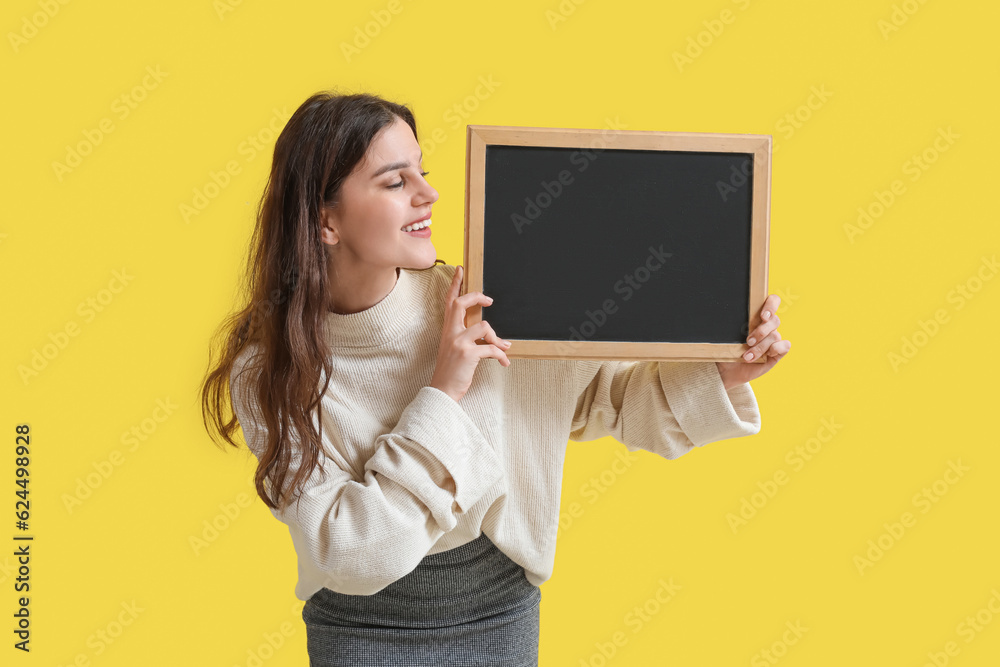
x: 385, y: 192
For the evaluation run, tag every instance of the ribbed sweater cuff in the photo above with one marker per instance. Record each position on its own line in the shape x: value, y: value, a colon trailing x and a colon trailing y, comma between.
x: 439, y: 425
x: 705, y: 411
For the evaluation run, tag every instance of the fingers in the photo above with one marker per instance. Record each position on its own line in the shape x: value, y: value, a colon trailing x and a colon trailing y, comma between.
x: 762, y: 346
x: 483, y: 330
x: 449, y: 300
x: 455, y: 305
x: 466, y: 301
x: 776, y: 353
x: 494, y: 345
x: 763, y: 329
x: 496, y: 353
x: 779, y: 349
x: 457, y: 315
x: 766, y: 333
x: 770, y: 307
x: 456, y: 284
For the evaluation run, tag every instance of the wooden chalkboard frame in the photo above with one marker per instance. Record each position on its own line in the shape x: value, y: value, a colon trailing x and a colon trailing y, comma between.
x: 479, y: 137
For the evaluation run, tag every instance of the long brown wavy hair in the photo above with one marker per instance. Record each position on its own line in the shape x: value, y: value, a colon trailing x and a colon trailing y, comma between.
x: 285, y: 290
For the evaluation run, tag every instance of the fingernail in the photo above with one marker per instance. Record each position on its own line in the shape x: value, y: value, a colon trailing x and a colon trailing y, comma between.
x: 751, y: 341
x: 767, y: 314
x: 748, y: 356
x: 490, y: 299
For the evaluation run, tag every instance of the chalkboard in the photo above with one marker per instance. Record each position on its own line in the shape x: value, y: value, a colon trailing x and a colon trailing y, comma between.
x: 617, y: 244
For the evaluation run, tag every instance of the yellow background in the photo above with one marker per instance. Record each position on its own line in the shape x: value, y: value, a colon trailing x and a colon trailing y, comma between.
x: 849, y: 302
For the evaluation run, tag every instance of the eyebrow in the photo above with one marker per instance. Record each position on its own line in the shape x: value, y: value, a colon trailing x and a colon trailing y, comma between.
x: 394, y: 165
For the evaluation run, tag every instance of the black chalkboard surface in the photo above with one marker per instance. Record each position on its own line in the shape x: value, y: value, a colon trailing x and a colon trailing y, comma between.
x: 620, y: 245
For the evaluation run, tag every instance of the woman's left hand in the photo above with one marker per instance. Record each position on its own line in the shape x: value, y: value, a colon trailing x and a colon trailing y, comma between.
x: 764, y: 340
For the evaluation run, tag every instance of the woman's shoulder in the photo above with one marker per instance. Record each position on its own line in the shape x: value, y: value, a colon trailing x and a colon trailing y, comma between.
x: 437, y: 277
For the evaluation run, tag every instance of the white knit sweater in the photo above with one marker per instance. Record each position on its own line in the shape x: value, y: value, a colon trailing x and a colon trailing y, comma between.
x: 411, y: 472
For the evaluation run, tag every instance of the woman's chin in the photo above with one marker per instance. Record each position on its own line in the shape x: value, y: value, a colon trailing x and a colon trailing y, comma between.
x: 425, y: 262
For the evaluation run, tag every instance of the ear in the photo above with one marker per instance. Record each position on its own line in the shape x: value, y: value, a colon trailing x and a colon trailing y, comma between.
x: 328, y: 226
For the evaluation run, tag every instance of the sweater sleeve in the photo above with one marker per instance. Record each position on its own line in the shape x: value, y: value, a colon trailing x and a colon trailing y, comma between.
x: 665, y: 407
x: 366, y: 533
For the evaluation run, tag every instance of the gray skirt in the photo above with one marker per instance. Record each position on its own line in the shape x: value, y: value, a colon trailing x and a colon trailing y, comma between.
x: 471, y: 605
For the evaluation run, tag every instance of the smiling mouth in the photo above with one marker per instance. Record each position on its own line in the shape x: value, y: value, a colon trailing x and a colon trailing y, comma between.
x: 417, y: 226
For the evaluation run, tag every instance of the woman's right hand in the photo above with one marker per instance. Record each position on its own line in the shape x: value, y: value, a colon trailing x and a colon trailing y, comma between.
x: 459, y: 353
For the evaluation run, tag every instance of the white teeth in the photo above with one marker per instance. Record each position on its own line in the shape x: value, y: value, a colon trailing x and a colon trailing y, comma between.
x: 417, y: 225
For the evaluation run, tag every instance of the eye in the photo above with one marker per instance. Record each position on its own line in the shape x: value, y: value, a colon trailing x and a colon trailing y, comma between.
x: 400, y: 184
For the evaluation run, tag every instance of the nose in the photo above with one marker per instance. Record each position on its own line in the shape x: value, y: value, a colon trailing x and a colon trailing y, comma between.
x: 427, y: 194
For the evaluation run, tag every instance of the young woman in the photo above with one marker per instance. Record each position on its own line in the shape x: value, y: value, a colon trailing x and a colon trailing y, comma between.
x: 420, y: 487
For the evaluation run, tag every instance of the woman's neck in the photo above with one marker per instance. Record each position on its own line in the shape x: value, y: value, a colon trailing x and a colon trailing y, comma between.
x: 358, y: 292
